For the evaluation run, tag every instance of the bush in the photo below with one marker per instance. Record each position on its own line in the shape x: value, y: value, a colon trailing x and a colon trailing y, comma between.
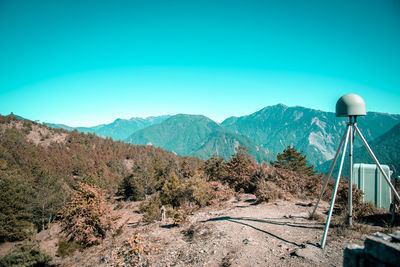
x: 135, y: 252
x: 151, y: 209
x: 66, y: 247
x: 220, y: 192
x: 241, y: 170
x: 199, y: 191
x: 294, y: 184
x: 86, y: 218
x: 27, y: 254
x: 267, y: 191
x: 172, y: 192
x: 181, y: 215
x: 360, y: 208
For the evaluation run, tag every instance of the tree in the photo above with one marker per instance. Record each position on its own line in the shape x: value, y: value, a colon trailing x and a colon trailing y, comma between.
x: 85, y: 219
x: 240, y: 171
x: 215, y: 168
x: 132, y: 188
x: 15, y: 207
x: 172, y: 192
x: 293, y: 160
x: 49, y: 196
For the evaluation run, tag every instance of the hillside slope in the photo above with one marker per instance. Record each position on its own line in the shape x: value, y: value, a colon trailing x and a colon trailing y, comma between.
x: 41, y: 166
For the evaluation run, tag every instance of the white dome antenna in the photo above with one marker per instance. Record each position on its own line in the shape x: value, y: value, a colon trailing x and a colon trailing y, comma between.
x: 350, y: 105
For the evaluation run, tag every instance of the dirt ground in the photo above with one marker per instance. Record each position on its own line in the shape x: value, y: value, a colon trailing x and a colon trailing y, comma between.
x: 235, y: 233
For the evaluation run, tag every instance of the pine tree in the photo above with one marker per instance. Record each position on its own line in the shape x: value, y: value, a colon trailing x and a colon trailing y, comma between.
x: 86, y: 218
x: 215, y: 168
x: 240, y: 171
x: 293, y: 160
x: 15, y: 207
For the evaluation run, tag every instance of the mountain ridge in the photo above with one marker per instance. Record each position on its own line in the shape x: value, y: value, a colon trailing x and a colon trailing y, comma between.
x: 271, y: 129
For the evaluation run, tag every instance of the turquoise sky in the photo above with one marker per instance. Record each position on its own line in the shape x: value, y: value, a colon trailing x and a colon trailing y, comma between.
x: 83, y: 63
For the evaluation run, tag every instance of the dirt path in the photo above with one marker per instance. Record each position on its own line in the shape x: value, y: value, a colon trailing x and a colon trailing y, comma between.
x: 244, y: 234
x: 239, y: 233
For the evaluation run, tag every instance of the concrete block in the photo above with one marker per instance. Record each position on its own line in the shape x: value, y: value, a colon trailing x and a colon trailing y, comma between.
x: 382, y: 250
x: 352, y: 256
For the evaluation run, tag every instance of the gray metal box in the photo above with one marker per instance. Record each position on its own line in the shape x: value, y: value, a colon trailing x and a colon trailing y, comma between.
x: 369, y: 179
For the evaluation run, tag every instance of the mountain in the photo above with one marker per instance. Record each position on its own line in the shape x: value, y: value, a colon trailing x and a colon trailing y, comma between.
x: 224, y: 144
x: 194, y: 135
x: 316, y: 133
x: 60, y: 126
x: 266, y: 132
x: 386, y: 148
x: 119, y: 129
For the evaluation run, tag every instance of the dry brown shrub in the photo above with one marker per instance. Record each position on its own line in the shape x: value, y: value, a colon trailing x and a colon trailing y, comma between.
x: 198, y: 190
x: 221, y: 192
x: 87, y: 217
x: 137, y: 251
x: 182, y: 214
x: 294, y: 184
x: 360, y: 208
x: 267, y: 192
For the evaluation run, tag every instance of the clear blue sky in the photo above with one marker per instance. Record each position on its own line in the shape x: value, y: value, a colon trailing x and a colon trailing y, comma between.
x: 83, y: 63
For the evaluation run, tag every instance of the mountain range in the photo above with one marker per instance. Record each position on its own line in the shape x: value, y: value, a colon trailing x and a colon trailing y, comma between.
x: 265, y: 132
x: 119, y: 129
x: 386, y: 148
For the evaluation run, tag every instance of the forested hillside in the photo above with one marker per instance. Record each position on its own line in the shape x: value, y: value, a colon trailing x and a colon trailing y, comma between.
x: 41, y: 166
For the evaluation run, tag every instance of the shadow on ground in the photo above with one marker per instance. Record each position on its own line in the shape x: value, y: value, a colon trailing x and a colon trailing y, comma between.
x: 244, y: 221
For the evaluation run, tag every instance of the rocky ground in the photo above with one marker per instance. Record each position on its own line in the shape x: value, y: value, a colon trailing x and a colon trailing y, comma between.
x: 234, y: 233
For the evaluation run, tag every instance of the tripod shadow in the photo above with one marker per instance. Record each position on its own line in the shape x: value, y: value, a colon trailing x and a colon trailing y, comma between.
x: 243, y: 221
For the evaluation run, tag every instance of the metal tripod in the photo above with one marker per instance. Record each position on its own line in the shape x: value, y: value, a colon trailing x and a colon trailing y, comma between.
x: 351, y: 129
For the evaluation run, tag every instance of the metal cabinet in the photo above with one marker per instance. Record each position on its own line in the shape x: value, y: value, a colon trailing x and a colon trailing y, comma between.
x: 370, y: 180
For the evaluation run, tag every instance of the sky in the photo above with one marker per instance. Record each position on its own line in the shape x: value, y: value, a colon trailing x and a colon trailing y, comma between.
x: 84, y: 63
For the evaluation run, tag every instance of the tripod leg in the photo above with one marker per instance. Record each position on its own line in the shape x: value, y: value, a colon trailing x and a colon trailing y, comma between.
x: 377, y: 164
x: 330, y: 172
x: 350, y: 194
x: 328, y: 220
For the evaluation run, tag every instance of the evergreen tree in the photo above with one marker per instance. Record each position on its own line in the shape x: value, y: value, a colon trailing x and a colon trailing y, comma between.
x: 15, y: 207
x: 240, y: 171
x: 293, y: 160
x: 215, y: 168
x: 86, y: 218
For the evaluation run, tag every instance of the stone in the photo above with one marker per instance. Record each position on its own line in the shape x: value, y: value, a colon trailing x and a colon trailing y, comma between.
x: 352, y: 255
x: 382, y: 250
x: 382, y: 236
x: 309, y: 252
x: 395, y: 236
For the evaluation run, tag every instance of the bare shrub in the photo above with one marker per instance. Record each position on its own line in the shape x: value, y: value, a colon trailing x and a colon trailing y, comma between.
x: 267, y: 192
x: 136, y: 251
x: 360, y: 208
x: 293, y: 183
